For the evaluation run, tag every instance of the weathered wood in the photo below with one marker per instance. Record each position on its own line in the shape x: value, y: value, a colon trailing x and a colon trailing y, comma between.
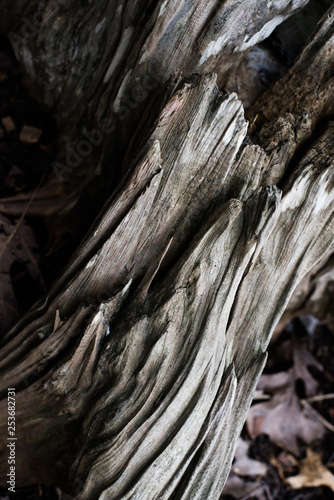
x: 99, y: 67
x: 143, y: 357
x: 191, y: 345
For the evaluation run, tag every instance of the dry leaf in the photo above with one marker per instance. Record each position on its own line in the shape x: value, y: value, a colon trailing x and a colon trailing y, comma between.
x: 238, y: 487
x: 284, y: 418
x: 243, y: 465
x: 8, y: 123
x: 312, y: 473
x: 30, y: 135
x: 21, y: 249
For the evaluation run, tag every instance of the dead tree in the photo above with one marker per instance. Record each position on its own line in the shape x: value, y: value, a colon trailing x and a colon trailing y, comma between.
x: 134, y: 374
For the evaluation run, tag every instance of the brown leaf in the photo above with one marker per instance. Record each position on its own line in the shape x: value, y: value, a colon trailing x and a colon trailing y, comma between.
x: 244, y: 465
x: 30, y: 135
x: 21, y: 248
x: 238, y: 487
x: 312, y: 473
x: 284, y: 418
x: 7, y: 122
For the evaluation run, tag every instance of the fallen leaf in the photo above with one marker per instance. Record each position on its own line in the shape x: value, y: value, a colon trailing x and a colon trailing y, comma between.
x: 312, y: 473
x: 21, y: 248
x: 284, y: 418
x: 244, y: 465
x: 238, y: 487
x: 30, y: 135
x: 287, y: 460
x: 8, y: 123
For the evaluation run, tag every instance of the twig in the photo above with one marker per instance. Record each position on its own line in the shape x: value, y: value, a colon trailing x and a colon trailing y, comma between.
x: 267, y: 490
x: 260, y: 396
x: 260, y: 487
x: 10, y: 238
x: 251, y: 493
x: 316, y: 414
x: 321, y: 397
x: 254, y: 120
x: 330, y: 460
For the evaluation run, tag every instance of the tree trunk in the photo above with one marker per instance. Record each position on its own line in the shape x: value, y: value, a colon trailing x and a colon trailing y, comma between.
x: 134, y: 374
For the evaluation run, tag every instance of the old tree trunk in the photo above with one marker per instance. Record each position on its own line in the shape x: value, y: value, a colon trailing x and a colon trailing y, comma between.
x: 134, y: 374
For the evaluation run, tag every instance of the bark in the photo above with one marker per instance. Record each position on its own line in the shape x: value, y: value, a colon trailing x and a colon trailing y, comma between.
x: 143, y: 357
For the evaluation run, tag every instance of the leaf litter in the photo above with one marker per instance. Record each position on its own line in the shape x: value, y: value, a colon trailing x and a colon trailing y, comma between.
x: 290, y: 426
x: 21, y: 249
x: 284, y: 418
x: 25, y: 131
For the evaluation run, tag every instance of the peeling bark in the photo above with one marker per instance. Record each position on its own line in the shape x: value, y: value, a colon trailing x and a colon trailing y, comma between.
x: 143, y: 357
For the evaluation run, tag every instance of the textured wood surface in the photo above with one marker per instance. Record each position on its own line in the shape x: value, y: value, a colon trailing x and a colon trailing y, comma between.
x: 134, y: 374
x: 108, y: 61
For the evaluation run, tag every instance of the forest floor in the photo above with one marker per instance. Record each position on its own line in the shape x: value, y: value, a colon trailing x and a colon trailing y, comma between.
x: 286, y: 449
x: 27, y: 146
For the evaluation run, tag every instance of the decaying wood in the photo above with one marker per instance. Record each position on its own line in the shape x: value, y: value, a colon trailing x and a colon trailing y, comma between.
x: 100, y: 66
x: 134, y: 374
